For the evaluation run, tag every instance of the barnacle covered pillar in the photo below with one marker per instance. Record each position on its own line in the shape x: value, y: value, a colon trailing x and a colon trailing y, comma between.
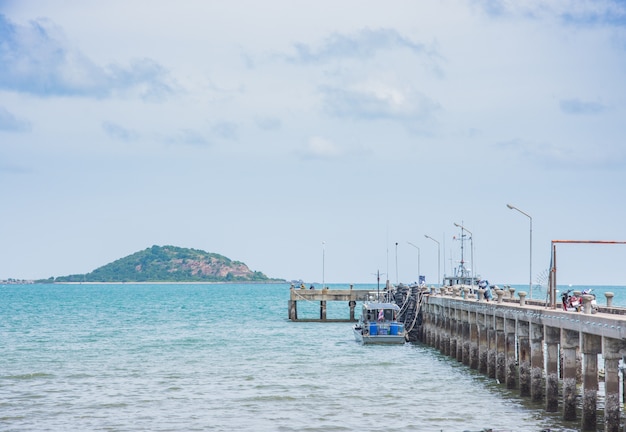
x: 473, y: 319
x: 500, y: 350
x: 552, y: 337
x: 482, y: 342
x: 510, y: 349
x: 591, y: 347
x: 569, y: 345
x: 466, y: 338
x: 523, y: 330
x: 537, y: 384
x: 611, y: 354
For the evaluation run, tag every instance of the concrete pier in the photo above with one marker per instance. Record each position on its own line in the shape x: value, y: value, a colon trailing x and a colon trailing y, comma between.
x: 543, y: 353
x: 350, y: 296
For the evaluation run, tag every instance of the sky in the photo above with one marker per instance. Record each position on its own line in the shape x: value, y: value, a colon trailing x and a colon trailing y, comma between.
x: 311, y: 140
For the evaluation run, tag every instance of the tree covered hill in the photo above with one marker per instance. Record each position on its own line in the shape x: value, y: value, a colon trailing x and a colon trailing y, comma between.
x: 169, y: 264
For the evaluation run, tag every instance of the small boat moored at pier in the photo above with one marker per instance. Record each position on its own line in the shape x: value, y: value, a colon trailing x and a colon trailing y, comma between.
x: 378, y: 325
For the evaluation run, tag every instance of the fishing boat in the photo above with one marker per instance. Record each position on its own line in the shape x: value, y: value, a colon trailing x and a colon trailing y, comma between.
x: 378, y: 324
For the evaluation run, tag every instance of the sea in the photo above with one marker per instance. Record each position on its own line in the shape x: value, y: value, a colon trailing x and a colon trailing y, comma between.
x: 225, y: 357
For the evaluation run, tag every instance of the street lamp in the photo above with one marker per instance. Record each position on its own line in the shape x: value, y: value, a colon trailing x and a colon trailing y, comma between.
x: 471, y: 248
x: 418, y: 261
x: 323, y: 259
x: 530, y: 265
x: 438, y: 258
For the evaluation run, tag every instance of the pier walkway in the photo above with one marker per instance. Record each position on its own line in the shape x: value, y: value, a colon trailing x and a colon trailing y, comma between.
x: 541, y: 351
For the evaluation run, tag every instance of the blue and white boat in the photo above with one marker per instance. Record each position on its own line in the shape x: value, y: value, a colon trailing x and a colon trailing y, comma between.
x: 378, y: 324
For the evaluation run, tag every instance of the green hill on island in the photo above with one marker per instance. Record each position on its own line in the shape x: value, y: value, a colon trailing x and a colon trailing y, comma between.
x: 170, y: 264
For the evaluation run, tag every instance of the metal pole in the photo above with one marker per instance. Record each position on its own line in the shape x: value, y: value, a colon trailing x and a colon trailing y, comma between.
x: 530, y: 266
x: 323, y: 263
x: 471, y: 249
x: 418, y: 261
x: 438, y: 258
x: 396, y: 263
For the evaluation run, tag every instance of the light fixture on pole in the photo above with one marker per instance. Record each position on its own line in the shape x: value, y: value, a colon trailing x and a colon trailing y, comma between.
x: 530, y: 265
x: 471, y: 248
x: 438, y: 258
x: 418, y: 261
x: 397, y: 263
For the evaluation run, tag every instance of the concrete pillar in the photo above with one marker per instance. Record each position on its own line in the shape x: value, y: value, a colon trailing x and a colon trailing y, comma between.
x: 612, y: 356
x: 459, y: 335
x: 466, y: 338
x: 537, y: 382
x: 482, y: 343
x: 512, y: 292
x: 552, y: 337
x: 510, y: 352
x: 453, y: 333
x: 473, y: 320
x: 609, y: 298
x: 323, y: 310
x: 500, y: 350
x: 569, y: 345
x: 523, y: 340
x: 591, y: 347
x: 491, y: 348
x: 293, y: 310
x: 352, y: 305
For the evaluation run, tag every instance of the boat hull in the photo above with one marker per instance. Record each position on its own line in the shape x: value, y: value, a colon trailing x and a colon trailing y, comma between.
x: 379, y: 339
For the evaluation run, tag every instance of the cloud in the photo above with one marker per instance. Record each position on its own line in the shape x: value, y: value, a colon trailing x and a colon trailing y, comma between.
x: 577, y: 106
x: 378, y: 102
x: 37, y: 59
x: 269, y: 123
x: 225, y: 130
x: 187, y: 137
x: 118, y: 132
x: 573, y: 156
x: 321, y: 148
x: 10, y: 123
x: 364, y: 44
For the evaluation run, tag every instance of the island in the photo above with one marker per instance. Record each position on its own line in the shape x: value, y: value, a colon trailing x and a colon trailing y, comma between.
x: 169, y: 264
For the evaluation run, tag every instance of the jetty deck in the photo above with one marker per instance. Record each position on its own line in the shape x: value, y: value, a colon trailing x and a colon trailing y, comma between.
x: 323, y: 296
x: 548, y: 354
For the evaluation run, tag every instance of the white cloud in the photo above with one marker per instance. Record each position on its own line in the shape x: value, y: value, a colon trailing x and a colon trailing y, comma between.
x: 11, y: 123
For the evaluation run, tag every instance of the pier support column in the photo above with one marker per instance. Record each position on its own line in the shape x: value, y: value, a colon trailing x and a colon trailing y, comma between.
x: 491, y: 346
x: 293, y: 310
x: 537, y: 384
x: 465, y: 337
x: 483, y: 347
x: 500, y: 350
x: 612, y: 356
x: 352, y: 305
x: 510, y: 352
x: 446, y: 334
x: 569, y: 345
x: 591, y: 347
x: 552, y: 336
x: 323, y: 310
x: 473, y: 321
x: 453, y: 332
x: 523, y: 331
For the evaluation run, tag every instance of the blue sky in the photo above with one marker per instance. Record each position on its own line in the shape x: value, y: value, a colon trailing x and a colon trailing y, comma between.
x: 306, y: 139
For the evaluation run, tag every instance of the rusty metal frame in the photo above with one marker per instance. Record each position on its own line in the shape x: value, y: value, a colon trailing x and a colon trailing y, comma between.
x: 552, y: 279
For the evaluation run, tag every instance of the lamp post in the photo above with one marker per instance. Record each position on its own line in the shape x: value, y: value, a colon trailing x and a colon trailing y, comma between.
x: 418, y: 261
x: 471, y: 248
x: 323, y: 262
x: 438, y: 258
x: 530, y: 265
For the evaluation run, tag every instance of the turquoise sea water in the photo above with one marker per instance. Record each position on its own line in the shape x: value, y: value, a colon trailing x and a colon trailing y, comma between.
x: 226, y: 358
